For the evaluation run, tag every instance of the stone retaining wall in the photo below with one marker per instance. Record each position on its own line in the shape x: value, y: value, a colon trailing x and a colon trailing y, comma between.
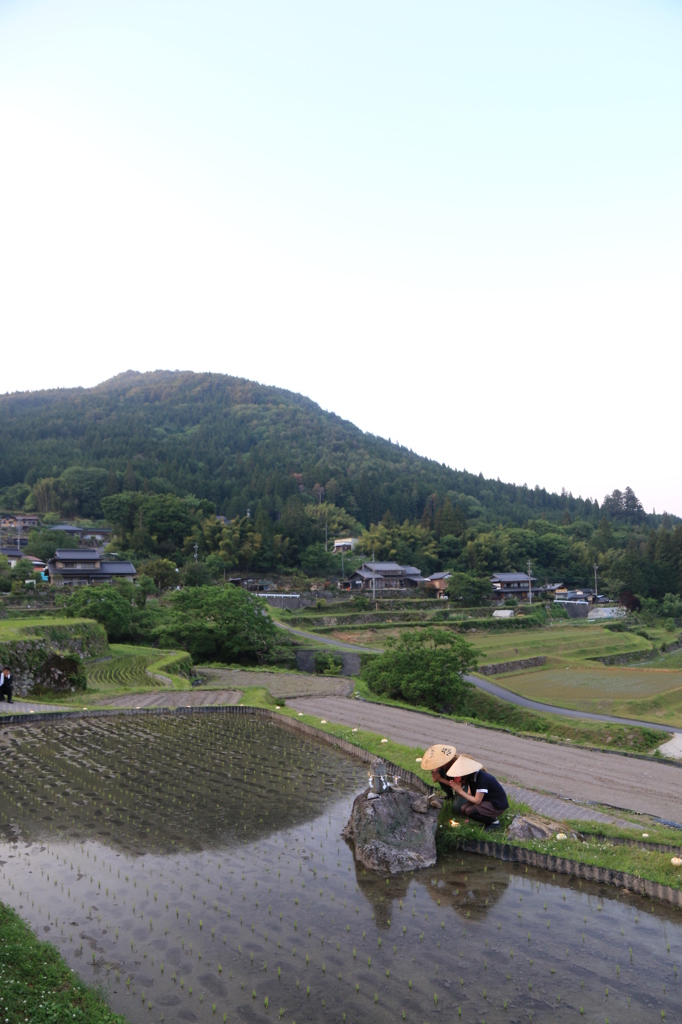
x: 511, y: 666
x: 562, y: 866
x: 42, y: 653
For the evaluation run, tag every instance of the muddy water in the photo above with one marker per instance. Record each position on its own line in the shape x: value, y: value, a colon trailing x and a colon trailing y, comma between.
x: 195, y: 870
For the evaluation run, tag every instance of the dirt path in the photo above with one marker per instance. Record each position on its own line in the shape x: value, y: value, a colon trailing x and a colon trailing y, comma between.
x: 572, y: 773
x: 173, y: 699
x: 280, y: 684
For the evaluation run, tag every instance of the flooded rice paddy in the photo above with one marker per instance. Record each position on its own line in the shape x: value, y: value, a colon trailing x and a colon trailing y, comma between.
x: 193, y: 867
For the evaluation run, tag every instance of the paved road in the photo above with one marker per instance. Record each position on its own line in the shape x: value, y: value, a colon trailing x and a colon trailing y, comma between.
x: 514, y: 698
x: 326, y: 639
x: 570, y: 773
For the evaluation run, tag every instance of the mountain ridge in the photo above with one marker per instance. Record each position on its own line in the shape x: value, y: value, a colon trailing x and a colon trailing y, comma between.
x: 236, y: 442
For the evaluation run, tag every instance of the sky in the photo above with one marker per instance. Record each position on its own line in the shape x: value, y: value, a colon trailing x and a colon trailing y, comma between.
x: 457, y: 225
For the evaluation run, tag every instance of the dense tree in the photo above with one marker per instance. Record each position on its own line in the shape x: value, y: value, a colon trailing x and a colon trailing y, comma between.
x: 423, y: 668
x: 221, y: 623
x: 44, y: 543
x: 105, y: 604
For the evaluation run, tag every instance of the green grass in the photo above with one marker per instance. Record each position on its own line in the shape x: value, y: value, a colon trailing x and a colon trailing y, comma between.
x: 36, y: 985
x: 592, y: 848
x: 16, y: 629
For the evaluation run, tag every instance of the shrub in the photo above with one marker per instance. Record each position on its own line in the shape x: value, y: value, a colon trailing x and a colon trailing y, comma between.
x: 328, y: 663
x: 425, y: 669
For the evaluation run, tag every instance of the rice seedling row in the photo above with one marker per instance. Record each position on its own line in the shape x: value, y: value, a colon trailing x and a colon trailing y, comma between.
x: 195, y: 868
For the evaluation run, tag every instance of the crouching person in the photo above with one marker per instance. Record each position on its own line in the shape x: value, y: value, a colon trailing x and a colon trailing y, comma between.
x: 437, y: 760
x: 483, y: 798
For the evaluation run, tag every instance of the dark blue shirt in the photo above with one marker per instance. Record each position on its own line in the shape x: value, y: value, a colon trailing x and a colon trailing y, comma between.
x: 484, y: 782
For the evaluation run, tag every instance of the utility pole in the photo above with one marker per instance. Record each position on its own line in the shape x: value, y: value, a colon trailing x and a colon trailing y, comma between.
x: 325, y: 536
x: 374, y: 582
x: 196, y: 550
x: 343, y: 573
x: 530, y: 585
x: 596, y: 590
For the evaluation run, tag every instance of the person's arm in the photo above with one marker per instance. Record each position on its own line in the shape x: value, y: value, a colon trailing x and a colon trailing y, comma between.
x: 476, y: 798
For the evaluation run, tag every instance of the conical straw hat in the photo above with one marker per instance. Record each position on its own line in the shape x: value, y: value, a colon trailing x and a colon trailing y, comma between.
x: 438, y: 755
x: 464, y: 765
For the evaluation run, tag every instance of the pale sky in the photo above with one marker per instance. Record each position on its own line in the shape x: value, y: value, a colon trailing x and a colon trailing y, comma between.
x: 458, y: 225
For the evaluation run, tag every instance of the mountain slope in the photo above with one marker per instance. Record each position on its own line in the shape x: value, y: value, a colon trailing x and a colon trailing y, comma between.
x: 234, y: 442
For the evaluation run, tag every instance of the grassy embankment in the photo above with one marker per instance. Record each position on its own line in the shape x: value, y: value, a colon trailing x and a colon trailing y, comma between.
x: 128, y: 670
x: 36, y: 984
x: 19, y: 629
x: 634, y: 857
x: 486, y: 710
x: 646, y: 687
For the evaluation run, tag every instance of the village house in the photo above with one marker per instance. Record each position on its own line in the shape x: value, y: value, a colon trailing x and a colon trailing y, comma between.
x: 512, y: 584
x: 375, y: 576
x: 74, y: 566
x: 27, y: 522
x: 439, y: 581
x: 344, y: 544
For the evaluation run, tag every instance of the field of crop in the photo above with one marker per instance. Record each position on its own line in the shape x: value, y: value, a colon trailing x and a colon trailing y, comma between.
x: 571, y: 677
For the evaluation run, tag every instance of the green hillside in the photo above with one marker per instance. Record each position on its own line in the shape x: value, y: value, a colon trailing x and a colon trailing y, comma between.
x: 158, y: 455
x: 233, y: 442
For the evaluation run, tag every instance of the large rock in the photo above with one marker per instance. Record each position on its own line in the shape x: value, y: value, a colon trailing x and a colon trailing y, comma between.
x: 390, y: 833
x: 530, y: 826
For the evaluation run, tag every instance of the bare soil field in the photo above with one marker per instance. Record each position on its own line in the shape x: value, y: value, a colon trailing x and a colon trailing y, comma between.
x: 173, y: 699
x: 281, y: 685
x: 572, y: 773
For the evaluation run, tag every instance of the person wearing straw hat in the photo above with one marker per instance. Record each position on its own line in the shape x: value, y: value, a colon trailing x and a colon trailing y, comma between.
x: 484, y: 797
x: 437, y: 760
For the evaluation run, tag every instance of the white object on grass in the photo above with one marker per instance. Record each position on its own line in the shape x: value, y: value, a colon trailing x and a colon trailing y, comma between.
x: 561, y: 835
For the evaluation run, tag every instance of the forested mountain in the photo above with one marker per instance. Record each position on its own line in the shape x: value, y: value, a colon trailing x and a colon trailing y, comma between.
x: 233, y: 442
x: 158, y: 455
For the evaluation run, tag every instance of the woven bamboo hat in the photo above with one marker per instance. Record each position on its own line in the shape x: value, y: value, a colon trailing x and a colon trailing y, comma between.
x: 464, y: 765
x: 438, y: 755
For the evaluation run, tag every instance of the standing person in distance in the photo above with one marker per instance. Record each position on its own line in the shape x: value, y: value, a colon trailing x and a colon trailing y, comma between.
x: 6, y: 685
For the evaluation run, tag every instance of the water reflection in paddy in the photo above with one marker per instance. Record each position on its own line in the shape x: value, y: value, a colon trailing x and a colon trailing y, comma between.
x: 195, y: 868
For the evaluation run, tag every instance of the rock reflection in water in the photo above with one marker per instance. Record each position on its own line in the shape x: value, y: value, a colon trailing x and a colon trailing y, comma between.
x: 470, y: 891
x: 212, y: 932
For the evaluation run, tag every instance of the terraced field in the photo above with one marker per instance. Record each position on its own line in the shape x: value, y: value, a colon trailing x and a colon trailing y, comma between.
x: 121, y: 673
x: 130, y: 670
x: 573, y: 678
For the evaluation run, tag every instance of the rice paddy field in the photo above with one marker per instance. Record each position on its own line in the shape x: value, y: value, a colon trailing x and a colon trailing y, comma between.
x: 571, y: 677
x: 194, y: 868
